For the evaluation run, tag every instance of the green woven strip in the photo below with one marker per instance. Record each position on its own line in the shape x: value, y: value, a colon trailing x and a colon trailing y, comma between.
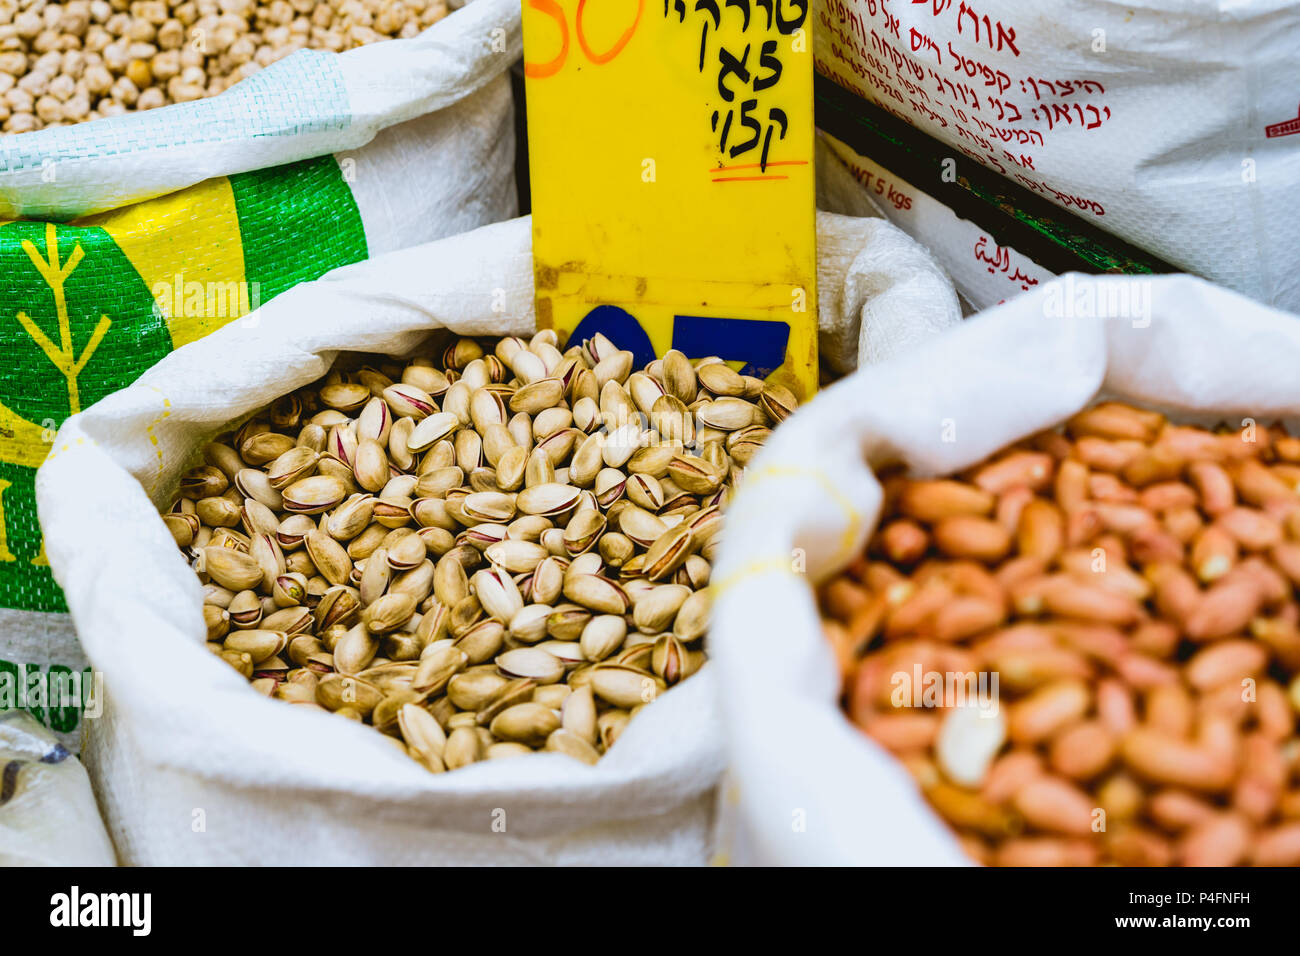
x: 76, y: 323
x: 297, y: 222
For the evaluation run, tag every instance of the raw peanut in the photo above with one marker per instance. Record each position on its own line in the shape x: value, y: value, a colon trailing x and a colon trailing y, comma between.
x: 1011, y: 505
x: 1167, y: 496
x: 1158, y: 463
x: 1177, y: 594
x: 1046, y: 851
x: 880, y: 577
x: 1041, y: 531
x: 1134, y: 846
x: 1032, y: 667
x: 1071, y: 484
x: 1115, y: 706
x: 1116, y: 421
x: 1274, y: 716
x: 932, y: 501
x: 1225, y: 661
x: 904, y: 542
x: 1169, y: 710
x: 1282, y: 638
x: 1154, y: 638
x: 966, y: 616
x: 1069, y: 597
x: 1113, y: 575
x: 1050, y: 803
x: 1272, y: 586
x: 1176, y: 810
x: 1169, y: 760
x: 1152, y: 543
x: 1082, y: 751
x: 1287, y: 448
x: 866, y: 622
x: 1263, y: 777
x: 1107, y: 487
x: 1223, y: 840
x: 1082, y: 524
x: 969, y: 577
x: 1214, y: 485
x: 916, y: 612
x: 1227, y: 608
x: 1286, y: 556
x: 1184, y: 524
x: 1120, y: 796
x: 906, y: 731
x: 969, y: 537
x: 1047, y: 710
x: 1052, y: 443
x: 1017, y: 570
x: 841, y: 599
x: 1278, y: 846
x: 1105, y: 455
x: 1142, y: 673
x: 1101, y: 642
x: 1257, y: 485
x: 967, y: 809
x: 1192, y: 443
x: 1021, y: 469
x: 1017, y: 637
x: 1009, y: 773
x: 1214, y: 552
x: 1224, y: 701
x: 1252, y: 529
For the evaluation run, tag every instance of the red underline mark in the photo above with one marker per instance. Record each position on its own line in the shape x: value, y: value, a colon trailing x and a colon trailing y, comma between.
x: 747, y: 179
x: 783, y: 162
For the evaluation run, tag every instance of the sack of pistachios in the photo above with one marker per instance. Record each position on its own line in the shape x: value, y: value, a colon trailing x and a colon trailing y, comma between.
x: 431, y: 585
x: 137, y: 234
x: 1025, y: 595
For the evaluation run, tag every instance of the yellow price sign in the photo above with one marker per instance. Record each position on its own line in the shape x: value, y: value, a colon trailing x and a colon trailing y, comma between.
x: 671, y: 148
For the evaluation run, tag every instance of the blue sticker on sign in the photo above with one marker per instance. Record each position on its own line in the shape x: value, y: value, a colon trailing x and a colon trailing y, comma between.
x: 760, y: 344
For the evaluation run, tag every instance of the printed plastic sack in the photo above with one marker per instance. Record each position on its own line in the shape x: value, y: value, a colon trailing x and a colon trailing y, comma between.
x: 244, y: 779
x: 811, y: 788
x: 48, y: 815
x: 89, y: 302
x: 1165, y: 123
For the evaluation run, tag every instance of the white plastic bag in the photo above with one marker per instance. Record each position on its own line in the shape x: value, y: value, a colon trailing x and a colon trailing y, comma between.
x: 812, y: 789
x: 1167, y: 122
x: 48, y: 815
x: 191, y: 767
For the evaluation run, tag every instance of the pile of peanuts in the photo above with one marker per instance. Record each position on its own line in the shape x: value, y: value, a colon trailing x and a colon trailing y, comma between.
x: 64, y: 63
x: 1131, y: 585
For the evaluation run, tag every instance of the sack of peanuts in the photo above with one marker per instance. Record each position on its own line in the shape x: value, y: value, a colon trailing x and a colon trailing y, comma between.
x: 1025, y: 595
x: 434, y: 546
x: 163, y: 225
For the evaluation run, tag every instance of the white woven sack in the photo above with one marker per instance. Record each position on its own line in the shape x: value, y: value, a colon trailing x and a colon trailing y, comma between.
x: 192, y: 768
x: 812, y: 789
x: 1169, y: 123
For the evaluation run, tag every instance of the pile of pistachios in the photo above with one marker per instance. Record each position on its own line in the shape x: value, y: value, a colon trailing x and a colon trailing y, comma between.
x: 502, y: 550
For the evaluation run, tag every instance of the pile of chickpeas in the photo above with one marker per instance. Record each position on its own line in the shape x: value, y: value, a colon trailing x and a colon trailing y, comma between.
x: 63, y: 63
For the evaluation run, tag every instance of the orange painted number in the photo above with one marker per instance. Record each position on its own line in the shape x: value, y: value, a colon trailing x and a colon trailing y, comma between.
x: 540, y: 70
x: 553, y: 10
